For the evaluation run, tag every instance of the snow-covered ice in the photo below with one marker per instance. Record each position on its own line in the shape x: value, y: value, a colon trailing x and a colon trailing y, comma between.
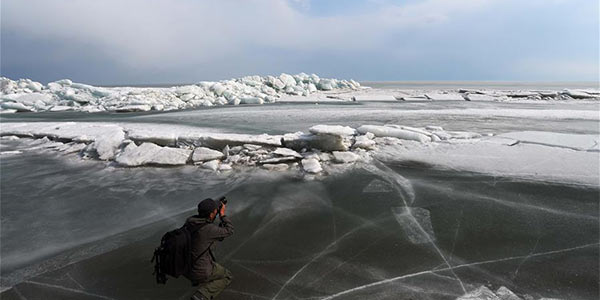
x: 151, y: 154
x: 387, y: 131
x: 202, y: 154
x: 25, y: 95
x: 311, y: 165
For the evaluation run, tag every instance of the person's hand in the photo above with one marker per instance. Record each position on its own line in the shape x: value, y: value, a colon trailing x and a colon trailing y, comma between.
x: 222, y: 211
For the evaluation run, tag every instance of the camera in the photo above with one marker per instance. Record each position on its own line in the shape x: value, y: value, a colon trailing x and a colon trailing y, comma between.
x: 222, y: 200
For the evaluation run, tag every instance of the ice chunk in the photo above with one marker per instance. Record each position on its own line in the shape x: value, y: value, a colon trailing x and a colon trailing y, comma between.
x: 29, y: 99
x: 277, y: 83
x: 107, y: 142
x: 505, y: 294
x: 225, y: 167
x: 344, y: 157
x: 462, y: 134
x: 417, y: 130
x: 151, y: 154
x: 133, y: 108
x: 416, y: 224
x: 10, y: 137
x: 287, y: 152
x: 364, y: 142
x: 385, y: 131
x: 220, y: 140
x: 325, y: 142
x: 387, y: 141
x: 252, y: 147
x: 482, y: 293
x: 218, y: 89
x: 288, y: 80
x: 578, y: 94
x: 333, y: 130
x: 19, y: 107
x: 279, y: 160
x: 311, y: 165
x: 211, y: 165
x: 202, y: 154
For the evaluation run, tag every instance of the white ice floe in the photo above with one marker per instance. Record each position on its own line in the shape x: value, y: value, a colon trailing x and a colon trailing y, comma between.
x: 311, y: 165
x: 580, y: 94
x: 332, y: 130
x: 287, y: 152
x: 106, y: 143
x: 25, y: 95
x: 211, y: 165
x: 326, y: 142
x: 151, y: 154
x: 542, y: 156
x: 502, y: 293
x: 482, y: 293
x: 386, y: 131
x: 225, y: 167
x: 521, y: 160
x: 344, y: 157
x: 202, y: 154
x: 365, y: 142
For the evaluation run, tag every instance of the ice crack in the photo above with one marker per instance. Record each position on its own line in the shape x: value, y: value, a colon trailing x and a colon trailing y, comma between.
x: 362, y: 287
x: 68, y: 289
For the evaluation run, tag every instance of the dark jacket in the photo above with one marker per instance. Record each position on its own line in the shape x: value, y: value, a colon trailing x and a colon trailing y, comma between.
x: 201, y: 239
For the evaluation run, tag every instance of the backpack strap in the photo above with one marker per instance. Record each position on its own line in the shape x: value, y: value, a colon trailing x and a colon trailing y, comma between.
x: 194, y: 229
x: 209, y: 251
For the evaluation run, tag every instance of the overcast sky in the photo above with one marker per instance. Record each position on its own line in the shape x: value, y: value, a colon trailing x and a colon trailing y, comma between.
x: 182, y: 41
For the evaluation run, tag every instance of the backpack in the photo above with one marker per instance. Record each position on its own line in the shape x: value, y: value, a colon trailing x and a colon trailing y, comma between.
x: 174, y: 255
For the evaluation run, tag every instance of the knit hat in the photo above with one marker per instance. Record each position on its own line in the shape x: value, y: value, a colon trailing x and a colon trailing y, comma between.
x: 206, y: 207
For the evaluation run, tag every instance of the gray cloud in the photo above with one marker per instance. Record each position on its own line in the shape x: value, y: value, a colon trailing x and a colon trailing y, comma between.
x: 132, y: 41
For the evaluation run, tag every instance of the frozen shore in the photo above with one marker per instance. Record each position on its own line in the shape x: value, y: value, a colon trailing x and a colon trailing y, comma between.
x: 25, y: 95
x: 531, y: 155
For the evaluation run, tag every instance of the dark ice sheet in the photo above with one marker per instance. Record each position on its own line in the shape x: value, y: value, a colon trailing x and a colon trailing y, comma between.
x: 377, y: 231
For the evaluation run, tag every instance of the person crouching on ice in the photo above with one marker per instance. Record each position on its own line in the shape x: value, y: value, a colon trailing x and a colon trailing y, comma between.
x: 205, y: 271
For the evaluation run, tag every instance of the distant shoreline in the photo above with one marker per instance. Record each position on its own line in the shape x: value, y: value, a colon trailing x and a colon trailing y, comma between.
x: 435, y: 85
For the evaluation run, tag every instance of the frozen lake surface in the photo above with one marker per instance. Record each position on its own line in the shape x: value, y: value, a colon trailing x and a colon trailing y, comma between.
x: 81, y: 229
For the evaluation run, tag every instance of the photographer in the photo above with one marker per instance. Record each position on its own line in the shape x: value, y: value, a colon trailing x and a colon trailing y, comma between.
x: 205, y: 271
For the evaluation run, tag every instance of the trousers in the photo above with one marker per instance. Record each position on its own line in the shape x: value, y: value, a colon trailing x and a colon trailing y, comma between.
x: 218, y: 280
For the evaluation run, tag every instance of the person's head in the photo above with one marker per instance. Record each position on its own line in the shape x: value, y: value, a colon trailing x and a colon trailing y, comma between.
x: 207, y: 208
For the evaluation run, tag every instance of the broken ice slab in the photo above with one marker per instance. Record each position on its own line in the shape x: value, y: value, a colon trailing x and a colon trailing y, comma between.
x: 416, y: 224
